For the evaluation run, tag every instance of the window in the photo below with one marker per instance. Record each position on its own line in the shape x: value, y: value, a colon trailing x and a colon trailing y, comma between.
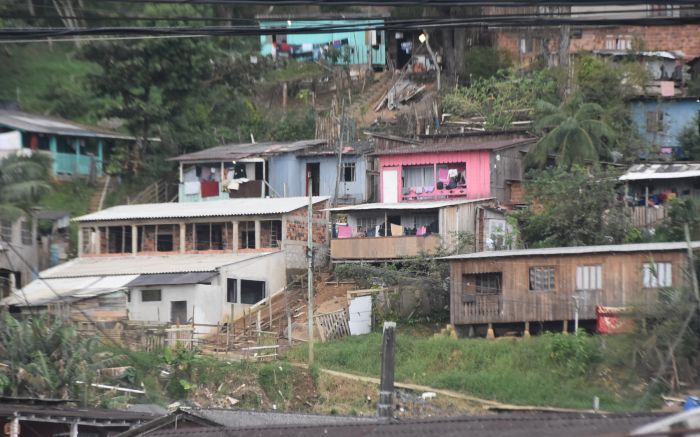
x: 657, y: 275
x: 27, y: 233
x: 366, y: 223
x: 231, y: 290
x: 270, y: 233
x: 119, y: 239
x: 348, y: 174
x: 415, y: 176
x: 589, y: 278
x: 209, y: 236
x: 165, y: 238
x: 252, y: 291
x: 488, y: 283
x: 655, y: 121
x: 246, y: 235
x: 6, y: 230
x: 541, y: 278
x: 178, y: 311
x: 150, y: 295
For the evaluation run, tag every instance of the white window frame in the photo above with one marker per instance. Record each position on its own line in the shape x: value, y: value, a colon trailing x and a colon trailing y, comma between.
x: 589, y: 277
x: 545, y: 283
x: 657, y: 274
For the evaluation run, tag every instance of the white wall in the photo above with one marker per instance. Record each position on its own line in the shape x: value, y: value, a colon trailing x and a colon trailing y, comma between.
x: 208, y: 302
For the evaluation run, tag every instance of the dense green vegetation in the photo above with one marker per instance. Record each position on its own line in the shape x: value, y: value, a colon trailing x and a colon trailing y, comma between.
x: 550, y: 370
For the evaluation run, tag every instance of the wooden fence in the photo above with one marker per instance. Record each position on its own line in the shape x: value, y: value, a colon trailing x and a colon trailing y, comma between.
x: 333, y: 325
x: 648, y: 216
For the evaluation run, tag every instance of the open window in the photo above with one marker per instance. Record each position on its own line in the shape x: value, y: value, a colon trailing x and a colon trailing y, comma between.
x: 252, y: 292
x: 118, y: 239
x: 246, y: 235
x: 270, y: 233
x: 211, y: 236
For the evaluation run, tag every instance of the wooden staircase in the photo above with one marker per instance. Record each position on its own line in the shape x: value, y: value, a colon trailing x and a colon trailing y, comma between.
x: 98, y: 198
x: 363, y: 107
x: 160, y: 191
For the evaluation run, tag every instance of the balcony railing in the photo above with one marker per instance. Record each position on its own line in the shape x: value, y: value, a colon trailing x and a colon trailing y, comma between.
x: 378, y: 248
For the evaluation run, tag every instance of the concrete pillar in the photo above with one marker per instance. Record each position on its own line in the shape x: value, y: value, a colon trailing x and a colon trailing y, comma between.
x: 100, y: 156
x: 53, y: 146
x: 98, y: 236
x: 183, y: 246
x: 234, y: 238
x: 526, y: 333
x: 80, y: 241
x: 565, y: 327
x: 257, y: 234
x: 135, y: 239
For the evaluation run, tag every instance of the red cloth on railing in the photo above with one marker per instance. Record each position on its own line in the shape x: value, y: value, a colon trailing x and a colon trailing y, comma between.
x: 210, y: 188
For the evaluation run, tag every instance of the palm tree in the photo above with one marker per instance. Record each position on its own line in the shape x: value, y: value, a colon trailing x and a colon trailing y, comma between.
x: 23, y: 180
x: 574, y: 133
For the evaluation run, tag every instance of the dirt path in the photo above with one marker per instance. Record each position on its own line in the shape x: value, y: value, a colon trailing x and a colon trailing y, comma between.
x: 487, y: 404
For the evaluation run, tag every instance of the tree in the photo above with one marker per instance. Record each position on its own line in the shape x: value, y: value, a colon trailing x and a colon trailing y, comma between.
x: 23, y: 180
x: 574, y: 133
x: 41, y: 357
x: 689, y: 139
x: 681, y: 212
x: 482, y: 62
x: 575, y: 207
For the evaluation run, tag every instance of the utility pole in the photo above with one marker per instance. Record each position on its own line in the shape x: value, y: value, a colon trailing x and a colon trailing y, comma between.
x: 310, y: 274
x: 691, y: 263
x: 576, y: 308
x: 385, y: 406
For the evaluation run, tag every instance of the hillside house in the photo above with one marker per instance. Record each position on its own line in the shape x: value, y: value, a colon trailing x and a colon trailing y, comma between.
x: 76, y: 150
x: 532, y: 289
x: 19, y: 253
x: 376, y: 232
x: 173, y: 261
x: 466, y: 166
x: 352, y: 46
x: 276, y: 169
x: 661, y: 119
x: 650, y: 186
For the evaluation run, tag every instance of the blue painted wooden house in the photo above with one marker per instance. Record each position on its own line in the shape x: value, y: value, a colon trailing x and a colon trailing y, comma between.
x: 277, y: 169
x: 352, y: 45
x: 75, y: 149
x: 661, y: 119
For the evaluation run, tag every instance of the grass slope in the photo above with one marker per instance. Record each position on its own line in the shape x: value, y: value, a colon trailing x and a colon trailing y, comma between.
x: 542, y: 371
x: 30, y: 72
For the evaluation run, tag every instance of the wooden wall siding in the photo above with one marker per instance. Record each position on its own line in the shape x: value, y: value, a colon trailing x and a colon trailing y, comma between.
x: 383, y: 247
x: 621, y: 286
x: 506, y: 165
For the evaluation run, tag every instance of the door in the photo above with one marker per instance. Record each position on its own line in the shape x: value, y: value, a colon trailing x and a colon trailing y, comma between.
x: 390, y: 185
x: 313, y: 171
x: 178, y: 311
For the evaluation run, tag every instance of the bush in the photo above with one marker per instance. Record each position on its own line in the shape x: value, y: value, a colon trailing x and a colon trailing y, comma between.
x: 482, y: 62
x: 575, y: 354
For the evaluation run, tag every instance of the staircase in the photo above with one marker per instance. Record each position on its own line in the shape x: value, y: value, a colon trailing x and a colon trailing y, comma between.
x: 160, y: 191
x: 98, y: 198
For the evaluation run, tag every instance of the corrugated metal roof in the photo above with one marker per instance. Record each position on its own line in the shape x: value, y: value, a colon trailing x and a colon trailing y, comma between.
x: 577, y: 250
x: 146, y: 264
x: 50, y: 125
x: 172, y: 278
x: 230, y: 152
x: 214, y: 208
x: 245, y: 418
x: 415, y: 205
x: 42, y: 292
x: 675, y: 170
x: 456, y: 146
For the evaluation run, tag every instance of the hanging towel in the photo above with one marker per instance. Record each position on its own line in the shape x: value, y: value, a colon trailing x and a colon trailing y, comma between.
x: 192, y: 187
x: 421, y: 230
x: 376, y: 231
x: 210, y: 188
x: 443, y: 175
x: 453, y: 173
x: 344, y: 231
x: 428, y: 189
x: 419, y: 190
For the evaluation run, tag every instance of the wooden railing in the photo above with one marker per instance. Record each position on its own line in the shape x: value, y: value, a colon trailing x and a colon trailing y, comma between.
x: 647, y: 216
x: 160, y: 191
x: 384, y: 247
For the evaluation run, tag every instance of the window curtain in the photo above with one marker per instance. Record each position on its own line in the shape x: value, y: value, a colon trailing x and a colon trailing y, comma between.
x: 419, y: 176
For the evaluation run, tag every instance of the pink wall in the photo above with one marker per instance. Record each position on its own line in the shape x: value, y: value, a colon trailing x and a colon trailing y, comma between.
x: 477, y: 164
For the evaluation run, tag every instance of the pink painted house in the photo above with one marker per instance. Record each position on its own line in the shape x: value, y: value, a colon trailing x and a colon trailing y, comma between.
x: 467, y: 166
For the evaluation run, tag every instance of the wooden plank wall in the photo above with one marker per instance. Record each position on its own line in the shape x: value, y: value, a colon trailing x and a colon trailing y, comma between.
x: 622, y: 286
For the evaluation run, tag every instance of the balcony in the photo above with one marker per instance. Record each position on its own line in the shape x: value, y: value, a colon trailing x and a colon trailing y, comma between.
x: 383, y: 248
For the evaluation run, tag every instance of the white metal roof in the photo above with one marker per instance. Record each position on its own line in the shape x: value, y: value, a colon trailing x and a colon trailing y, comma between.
x: 145, y: 264
x: 214, y: 208
x: 577, y: 250
x: 676, y: 170
x: 50, y: 125
x: 412, y: 205
x: 41, y: 292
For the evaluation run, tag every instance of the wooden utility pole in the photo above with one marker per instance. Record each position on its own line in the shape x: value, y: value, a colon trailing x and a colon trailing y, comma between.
x: 339, y: 163
x: 691, y: 264
x: 310, y: 274
x: 385, y: 406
